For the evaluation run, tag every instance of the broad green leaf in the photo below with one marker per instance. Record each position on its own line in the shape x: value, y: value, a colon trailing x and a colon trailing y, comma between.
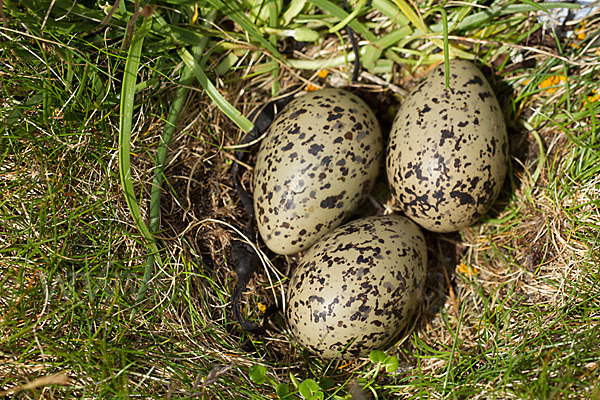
x: 258, y: 374
x: 305, y: 35
x: 377, y: 356
x: 309, y: 389
x: 282, y: 390
x: 391, y: 364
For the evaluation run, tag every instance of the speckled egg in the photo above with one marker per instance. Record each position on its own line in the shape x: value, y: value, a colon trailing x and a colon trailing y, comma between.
x: 448, y: 149
x: 357, y: 287
x: 316, y: 165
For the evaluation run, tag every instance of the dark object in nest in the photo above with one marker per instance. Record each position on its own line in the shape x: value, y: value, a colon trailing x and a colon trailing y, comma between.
x: 244, y: 258
x: 245, y: 261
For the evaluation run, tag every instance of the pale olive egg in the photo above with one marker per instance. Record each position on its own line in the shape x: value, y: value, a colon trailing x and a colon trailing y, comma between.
x: 448, y: 149
x: 316, y: 165
x: 357, y: 287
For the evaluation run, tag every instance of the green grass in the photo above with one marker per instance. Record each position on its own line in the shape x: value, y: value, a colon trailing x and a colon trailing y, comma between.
x: 75, y: 319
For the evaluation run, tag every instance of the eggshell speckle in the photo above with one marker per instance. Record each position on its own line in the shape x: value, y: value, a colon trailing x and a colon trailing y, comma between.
x: 314, y: 168
x: 448, y: 149
x: 357, y: 287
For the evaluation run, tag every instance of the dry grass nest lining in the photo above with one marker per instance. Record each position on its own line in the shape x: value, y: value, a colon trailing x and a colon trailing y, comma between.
x: 198, y: 173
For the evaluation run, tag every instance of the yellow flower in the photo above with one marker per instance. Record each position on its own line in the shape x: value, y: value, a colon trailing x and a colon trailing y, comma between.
x: 468, y: 270
x: 550, y: 84
x: 592, y: 99
x: 262, y: 308
x: 580, y: 32
x: 323, y: 73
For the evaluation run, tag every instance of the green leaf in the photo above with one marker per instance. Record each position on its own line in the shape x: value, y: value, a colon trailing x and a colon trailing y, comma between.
x: 420, y: 25
x: 305, y: 35
x: 182, y: 36
x: 258, y: 374
x: 309, y: 389
x: 226, y: 63
x: 536, y: 6
x: 349, y: 17
x: 377, y: 356
x: 390, y: 10
x: 260, y: 10
x: 282, y: 390
x: 391, y: 364
x: 300, y: 34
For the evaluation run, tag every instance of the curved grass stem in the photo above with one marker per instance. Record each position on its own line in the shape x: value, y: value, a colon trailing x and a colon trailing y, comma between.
x: 445, y: 33
x: 186, y: 79
x: 349, y: 17
x: 127, y: 106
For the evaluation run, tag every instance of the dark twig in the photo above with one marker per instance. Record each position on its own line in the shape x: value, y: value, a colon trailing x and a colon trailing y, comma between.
x: 244, y: 259
x: 108, y: 16
x: 131, y: 24
x: 356, y: 51
x: 354, y: 44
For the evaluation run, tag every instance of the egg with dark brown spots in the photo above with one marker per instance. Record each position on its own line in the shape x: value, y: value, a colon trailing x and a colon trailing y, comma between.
x: 316, y: 165
x: 448, y: 149
x: 358, y: 287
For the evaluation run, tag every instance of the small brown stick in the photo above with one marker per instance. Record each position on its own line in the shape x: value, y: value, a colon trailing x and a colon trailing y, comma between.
x: 108, y: 16
x: 2, y: 14
x: 131, y: 24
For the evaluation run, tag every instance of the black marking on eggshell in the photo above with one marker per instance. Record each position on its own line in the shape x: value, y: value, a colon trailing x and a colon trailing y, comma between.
x: 316, y: 165
x: 446, y: 165
x: 359, y: 284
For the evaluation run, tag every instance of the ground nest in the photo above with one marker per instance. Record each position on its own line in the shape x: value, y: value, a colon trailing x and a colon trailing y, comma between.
x: 511, y: 307
x: 507, y: 264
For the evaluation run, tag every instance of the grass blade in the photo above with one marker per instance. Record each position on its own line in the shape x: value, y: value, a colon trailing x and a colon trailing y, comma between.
x: 445, y: 32
x: 231, y: 9
x: 125, y: 118
x: 163, y: 146
x: 420, y: 25
x: 237, y: 117
x: 342, y: 15
x: 242, y: 122
x: 483, y: 17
